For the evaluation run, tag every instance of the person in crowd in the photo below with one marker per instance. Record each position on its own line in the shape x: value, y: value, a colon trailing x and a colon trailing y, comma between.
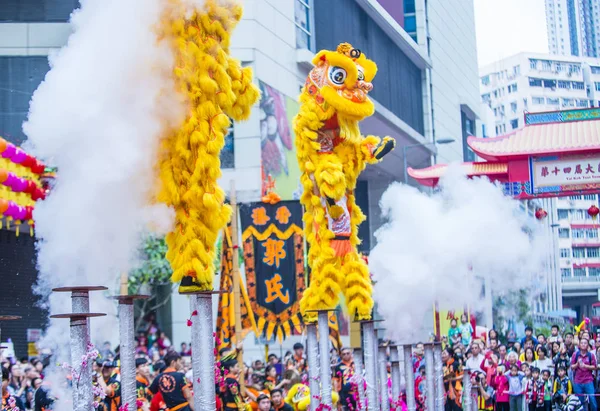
x: 516, y: 387
x: 342, y: 375
x: 278, y: 401
x: 299, y: 359
x: 583, y: 364
x: 547, y: 390
x: 110, y: 382
x: 173, y: 386
x: 562, y: 359
x: 528, y: 356
x: 474, y: 363
x: 185, y: 351
x: 562, y: 382
x: 264, y: 402
x: 489, y: 366
x: 493, y: 344
x: 512, y: 358
x: 570, y: 344
x: 502, y: 353
x: 564, y: 402
x: 517, y: 348
x: 529, y: 337
x: 142, y: 380
x: 485, y: 393
x: 418, y: 357
x: 9, y: 401
x: 554, y: 335
x: 271, y: 382
x: 543, y: 362
x: 420, y: 381
x: 230, y: 391
x: 452, y: 380
x: 541, y: 338
x: 466, y: 330
x: 453, y: 333
x: 534, y: 392
x: 501, y: 387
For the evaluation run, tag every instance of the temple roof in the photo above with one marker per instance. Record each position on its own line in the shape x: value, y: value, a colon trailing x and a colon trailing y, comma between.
x: 555, y: 132
x: 429, y: 176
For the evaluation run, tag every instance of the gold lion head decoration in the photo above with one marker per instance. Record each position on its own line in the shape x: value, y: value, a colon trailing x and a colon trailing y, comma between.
x: 341, y: 81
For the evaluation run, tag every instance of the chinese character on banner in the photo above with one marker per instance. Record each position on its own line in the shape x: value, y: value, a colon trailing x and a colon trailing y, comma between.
x: 545, y: 171
x: 273, y: 247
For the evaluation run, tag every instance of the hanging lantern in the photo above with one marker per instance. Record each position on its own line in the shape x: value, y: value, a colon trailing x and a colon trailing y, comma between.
x: 593, y: 212
x: 540, y: 213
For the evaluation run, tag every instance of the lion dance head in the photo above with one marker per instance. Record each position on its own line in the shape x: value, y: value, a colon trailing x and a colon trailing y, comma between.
x: 341, y: 81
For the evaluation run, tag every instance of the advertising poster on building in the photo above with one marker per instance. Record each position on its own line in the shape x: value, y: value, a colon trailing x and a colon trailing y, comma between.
x: 278, y: 150
x: 442, y: 322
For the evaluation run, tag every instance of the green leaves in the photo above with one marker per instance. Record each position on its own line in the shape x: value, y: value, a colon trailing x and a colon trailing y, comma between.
x: 155, y: 269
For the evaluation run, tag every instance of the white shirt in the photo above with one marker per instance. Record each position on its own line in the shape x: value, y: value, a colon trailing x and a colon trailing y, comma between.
x: 545, y: 364
x: 474, y: 363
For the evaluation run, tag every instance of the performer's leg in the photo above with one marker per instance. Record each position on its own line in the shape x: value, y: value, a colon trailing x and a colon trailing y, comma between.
x: 357, y: 287
x: 325, y: 286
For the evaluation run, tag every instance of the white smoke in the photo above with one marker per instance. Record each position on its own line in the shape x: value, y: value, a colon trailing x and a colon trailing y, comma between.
x: 98, y: 116
x: 433, y: 246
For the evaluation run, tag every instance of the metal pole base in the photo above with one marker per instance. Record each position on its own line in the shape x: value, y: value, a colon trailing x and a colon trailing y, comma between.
x: 313, y: 364
x: 203, y: 356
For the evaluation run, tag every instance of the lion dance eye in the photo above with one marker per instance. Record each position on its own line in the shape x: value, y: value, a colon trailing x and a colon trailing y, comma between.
x: 361, y: 75
x: 337, y: 75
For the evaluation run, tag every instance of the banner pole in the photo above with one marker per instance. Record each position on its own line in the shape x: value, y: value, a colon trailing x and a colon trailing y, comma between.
x: 236, y: 282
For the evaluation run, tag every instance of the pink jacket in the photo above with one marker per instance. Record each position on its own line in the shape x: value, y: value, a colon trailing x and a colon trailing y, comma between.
x: 500, y: 384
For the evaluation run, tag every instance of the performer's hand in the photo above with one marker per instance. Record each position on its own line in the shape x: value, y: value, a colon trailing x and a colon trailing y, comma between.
x: 336, y: 211
x: 387, y: 144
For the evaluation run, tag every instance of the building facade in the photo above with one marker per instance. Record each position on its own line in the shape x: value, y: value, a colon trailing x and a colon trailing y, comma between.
x: 535, y: 83
x: 579, y: 252
x: 573, y: 27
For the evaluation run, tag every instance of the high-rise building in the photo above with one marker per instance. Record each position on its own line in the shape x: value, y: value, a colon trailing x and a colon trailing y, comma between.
x: 573, y: 27
x: 537, y: 82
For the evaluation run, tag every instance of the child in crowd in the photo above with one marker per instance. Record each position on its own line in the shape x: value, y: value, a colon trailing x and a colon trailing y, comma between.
x: 562, y: 383
x: 516, y: 386
x: 501, y: 386
x: 547, y: 390
x: 466, y: 330
x: 534, y: 392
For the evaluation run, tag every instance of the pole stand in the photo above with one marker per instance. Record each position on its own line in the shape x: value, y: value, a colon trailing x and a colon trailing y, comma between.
x: 127, y: 351
x: 370, y: 363
x: 312, y: 351
x: 409, y: 378
x: 203, y: 349
x: 325, y: 363
x: 82, y: 388
x: 395, y: 360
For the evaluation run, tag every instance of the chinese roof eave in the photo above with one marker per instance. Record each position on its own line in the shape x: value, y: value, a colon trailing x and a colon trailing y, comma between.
x: 430, y: 176
x: 495, y: 157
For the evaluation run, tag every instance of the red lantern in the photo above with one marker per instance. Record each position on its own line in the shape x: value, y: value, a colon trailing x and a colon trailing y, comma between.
x: 29, y: 211
x: 38, y: 167
x: 31, y: 187
x: 28, y: 162
x: 540, y: 213
x: 593, y: 212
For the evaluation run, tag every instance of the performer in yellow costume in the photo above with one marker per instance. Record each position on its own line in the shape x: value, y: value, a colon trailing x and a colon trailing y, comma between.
x: 216, y: 89
x: 331, y: 154
x: 299, y: 397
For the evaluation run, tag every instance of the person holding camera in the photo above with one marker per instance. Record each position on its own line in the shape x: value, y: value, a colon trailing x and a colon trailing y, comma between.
x: 485, y: 393
x: 109, y: 380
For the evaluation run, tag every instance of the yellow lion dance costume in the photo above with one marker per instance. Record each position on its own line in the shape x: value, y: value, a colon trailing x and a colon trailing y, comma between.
x: 299, y: 397
x: 216, y: 88
x: 331, y: 154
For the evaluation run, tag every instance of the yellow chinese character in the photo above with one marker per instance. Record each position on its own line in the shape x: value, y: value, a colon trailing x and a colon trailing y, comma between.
x: 274, y: 251
x: 259, y: 216
x: 283, y: 215
x: 274, y: 290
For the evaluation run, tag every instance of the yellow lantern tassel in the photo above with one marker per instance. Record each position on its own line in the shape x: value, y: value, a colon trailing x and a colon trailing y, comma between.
x: 8, y: 223
x: 18, y: 225
x: 30, y: 222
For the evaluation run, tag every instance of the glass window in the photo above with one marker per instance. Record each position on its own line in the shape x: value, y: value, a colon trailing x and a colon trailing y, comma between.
x: 565, y: 272
x: 303, y: 29
x: 575, y: 197
x: 550, y: 83
x: 546, y: 65
x: 410, y: 24
x: 514, y: 124
x: 409, y: 6
x: 565, y: 253
x: 591, y: 197
x: 578, y: 252
x: 564, y: 84
x: 553, y: 101
x: 578, y: 233
x: 512, y: 88
x: 517, y: 70
x: 592, y: 233
x: 577, y: 85
x: 594, y: 271
x: 579, y: 272
x: 533, y: 63
x: 563, y: 233
x: 535, y: 82
x: 563, y: 214
x: 559, y: 67
x: 582, y: 103
x: 538, y: 100
x: 592, y: 252
x: 485, y: 80
x: 513, y: 106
